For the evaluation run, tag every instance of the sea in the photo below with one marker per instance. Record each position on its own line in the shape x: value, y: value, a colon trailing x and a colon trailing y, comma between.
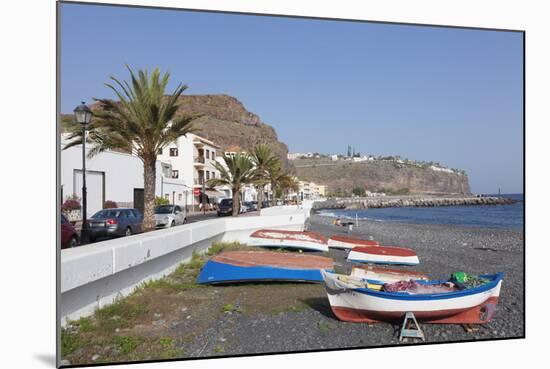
x: 483, y: 216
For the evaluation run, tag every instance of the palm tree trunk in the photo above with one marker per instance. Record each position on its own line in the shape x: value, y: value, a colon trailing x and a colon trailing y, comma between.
x: 273, y: 184
x: 149, y: 174
x: 236, y: 201
x: 260, y: 197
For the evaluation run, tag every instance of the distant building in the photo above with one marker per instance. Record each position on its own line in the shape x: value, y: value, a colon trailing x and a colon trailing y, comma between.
x: 334, y: 157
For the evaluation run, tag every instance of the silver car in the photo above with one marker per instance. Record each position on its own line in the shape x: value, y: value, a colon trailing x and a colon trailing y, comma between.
x: 167, y: 216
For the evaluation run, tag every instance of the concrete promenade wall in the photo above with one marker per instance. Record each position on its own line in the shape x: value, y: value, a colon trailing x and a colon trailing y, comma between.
x: 94, y: 275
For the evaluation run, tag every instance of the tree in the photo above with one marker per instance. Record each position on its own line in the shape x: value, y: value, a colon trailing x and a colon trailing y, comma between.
x: 358, y: 191
x: 279, y: 179
x: 142, y: 122
x: 263, y: 160
x: 237, y: 171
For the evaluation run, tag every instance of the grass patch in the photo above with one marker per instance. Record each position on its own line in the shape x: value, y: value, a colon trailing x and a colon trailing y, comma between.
x: 70, y: 342
x: 168, y: 348
x: 324, y: 326
x: 127, y: 344
x: 218, y: 247
x: 230, y: 308
x: 120, y: 314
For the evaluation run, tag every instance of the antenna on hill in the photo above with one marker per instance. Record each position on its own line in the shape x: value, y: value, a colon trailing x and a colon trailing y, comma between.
x: 499, y: 190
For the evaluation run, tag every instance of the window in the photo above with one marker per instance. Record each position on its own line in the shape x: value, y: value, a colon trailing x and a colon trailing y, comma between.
x: 207, y: 154
x: 207, y: 175
x: 213, y: 155
x: 179, y: 197
x: 175, y: 173
x: 130, y: 214
x: 167, y: 196
x: 174, y: 151
x: 213, y: 174
x: 159, y: 152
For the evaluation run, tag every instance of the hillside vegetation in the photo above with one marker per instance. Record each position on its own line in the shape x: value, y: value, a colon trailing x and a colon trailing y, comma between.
x: 380, y: 176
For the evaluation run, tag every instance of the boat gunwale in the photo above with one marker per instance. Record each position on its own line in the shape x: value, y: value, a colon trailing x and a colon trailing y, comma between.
x: 496, y: 279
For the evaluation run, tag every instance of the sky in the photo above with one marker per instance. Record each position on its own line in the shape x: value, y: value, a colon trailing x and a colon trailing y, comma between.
x: 449, y: 95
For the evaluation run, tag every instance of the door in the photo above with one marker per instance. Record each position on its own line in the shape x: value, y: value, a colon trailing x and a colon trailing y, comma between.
x: 139, y: 199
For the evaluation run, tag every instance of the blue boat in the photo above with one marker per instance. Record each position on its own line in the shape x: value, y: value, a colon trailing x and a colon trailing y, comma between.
x: 258, y: 266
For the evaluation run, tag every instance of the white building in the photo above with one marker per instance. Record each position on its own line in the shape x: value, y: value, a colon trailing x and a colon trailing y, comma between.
x: 113, y: 176
x: 192, y: 158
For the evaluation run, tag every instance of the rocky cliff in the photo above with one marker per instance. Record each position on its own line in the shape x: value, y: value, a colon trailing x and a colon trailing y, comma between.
x: 380, y: 176
x: 226, y: 122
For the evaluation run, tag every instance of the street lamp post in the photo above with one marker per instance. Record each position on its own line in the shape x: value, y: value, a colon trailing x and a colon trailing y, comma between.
x: 83, y: 115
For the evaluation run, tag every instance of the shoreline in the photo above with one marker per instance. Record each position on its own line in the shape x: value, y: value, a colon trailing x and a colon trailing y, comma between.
x: 353, y: 203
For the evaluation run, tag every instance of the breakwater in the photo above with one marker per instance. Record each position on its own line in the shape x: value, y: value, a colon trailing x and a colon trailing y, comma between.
x: 408, y: 201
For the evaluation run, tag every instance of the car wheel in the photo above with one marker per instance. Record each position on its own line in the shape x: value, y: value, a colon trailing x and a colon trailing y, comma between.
x: 184, y: 221
x: 128, y: 231
x: 73, y: 242
x: 172, y: 224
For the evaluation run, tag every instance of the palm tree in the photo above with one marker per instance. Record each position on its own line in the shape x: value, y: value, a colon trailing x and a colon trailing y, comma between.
x: 279, y: 179
x: 237, y: 171
x: 263, y: 159
x: 142, y: 122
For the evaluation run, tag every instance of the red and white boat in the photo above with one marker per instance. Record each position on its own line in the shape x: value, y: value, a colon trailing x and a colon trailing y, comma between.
x: 352, y: 302
x: 378, y: 275
x: 383, y: 255
x: 288, y: 239
x: 343, y: 242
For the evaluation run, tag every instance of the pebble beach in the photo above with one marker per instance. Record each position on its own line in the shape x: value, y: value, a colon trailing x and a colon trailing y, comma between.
x: 441, y: 249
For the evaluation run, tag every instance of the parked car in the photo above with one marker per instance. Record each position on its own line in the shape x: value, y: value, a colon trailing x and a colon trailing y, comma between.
x: 225, y: 207
x: 114, y: 222
x: 69, y: 236
x: 167, y: 216
x: 251, y: 206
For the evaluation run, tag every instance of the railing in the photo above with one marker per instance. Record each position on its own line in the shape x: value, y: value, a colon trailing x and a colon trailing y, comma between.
x: 198, y: 181
x: 199, y: 159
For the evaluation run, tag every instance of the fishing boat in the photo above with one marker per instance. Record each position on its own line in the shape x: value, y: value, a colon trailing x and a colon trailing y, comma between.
x: 288, y: 239
x: 250, y: 266
x: 383, y: 255
x: 352, y: 300
x: 378, y: 275
x: 343, y: 242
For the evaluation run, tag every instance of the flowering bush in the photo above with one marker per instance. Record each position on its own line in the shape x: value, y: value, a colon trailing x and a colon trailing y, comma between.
x: 71, y: 203
x: 109, y: 204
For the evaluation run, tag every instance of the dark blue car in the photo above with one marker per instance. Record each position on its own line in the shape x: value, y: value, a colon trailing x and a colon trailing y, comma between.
x: 114, y: 223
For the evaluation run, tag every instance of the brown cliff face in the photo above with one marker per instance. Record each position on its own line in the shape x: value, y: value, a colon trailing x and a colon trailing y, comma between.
x: 227, y: 123
x: 381, y: 176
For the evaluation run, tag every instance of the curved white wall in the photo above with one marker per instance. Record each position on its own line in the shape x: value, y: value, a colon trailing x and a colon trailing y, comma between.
x: 95, y: 275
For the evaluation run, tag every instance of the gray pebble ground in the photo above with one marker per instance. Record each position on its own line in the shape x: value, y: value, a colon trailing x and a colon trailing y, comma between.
x: 441, y: 250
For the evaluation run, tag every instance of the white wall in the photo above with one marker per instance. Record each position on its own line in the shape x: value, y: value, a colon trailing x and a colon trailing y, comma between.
x: 122, y: 173
x: 95, y: 275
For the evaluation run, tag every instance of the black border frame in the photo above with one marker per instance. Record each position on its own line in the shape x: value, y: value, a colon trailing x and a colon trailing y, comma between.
x: 58, y: 178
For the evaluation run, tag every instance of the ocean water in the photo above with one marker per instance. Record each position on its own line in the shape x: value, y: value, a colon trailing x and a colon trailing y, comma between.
x: 484, y: 216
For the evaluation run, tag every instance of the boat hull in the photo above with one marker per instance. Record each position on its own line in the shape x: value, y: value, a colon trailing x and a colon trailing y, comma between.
x: 251, y: 266
x: 341, y: 242
x: 288, y: 239
x: 383, y: 255
x: 473, y: 306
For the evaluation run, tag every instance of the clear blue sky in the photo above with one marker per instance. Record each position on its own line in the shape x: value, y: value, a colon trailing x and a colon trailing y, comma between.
x: 425, y: 93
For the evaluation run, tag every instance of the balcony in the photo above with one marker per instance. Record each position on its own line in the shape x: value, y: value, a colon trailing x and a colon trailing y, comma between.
x: 198, y: 181
x: 198, y: 160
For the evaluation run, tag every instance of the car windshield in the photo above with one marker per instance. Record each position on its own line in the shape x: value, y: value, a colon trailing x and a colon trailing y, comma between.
x: 226, y: 202
x: 106, y: 214
x: 164, y: 209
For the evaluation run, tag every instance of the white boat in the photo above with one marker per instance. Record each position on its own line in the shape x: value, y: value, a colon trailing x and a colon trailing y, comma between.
x: 288, y: 239
x: 378, y: 275
x: 352, y: 300
x: 383, y: 255
x: 343, y: 242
